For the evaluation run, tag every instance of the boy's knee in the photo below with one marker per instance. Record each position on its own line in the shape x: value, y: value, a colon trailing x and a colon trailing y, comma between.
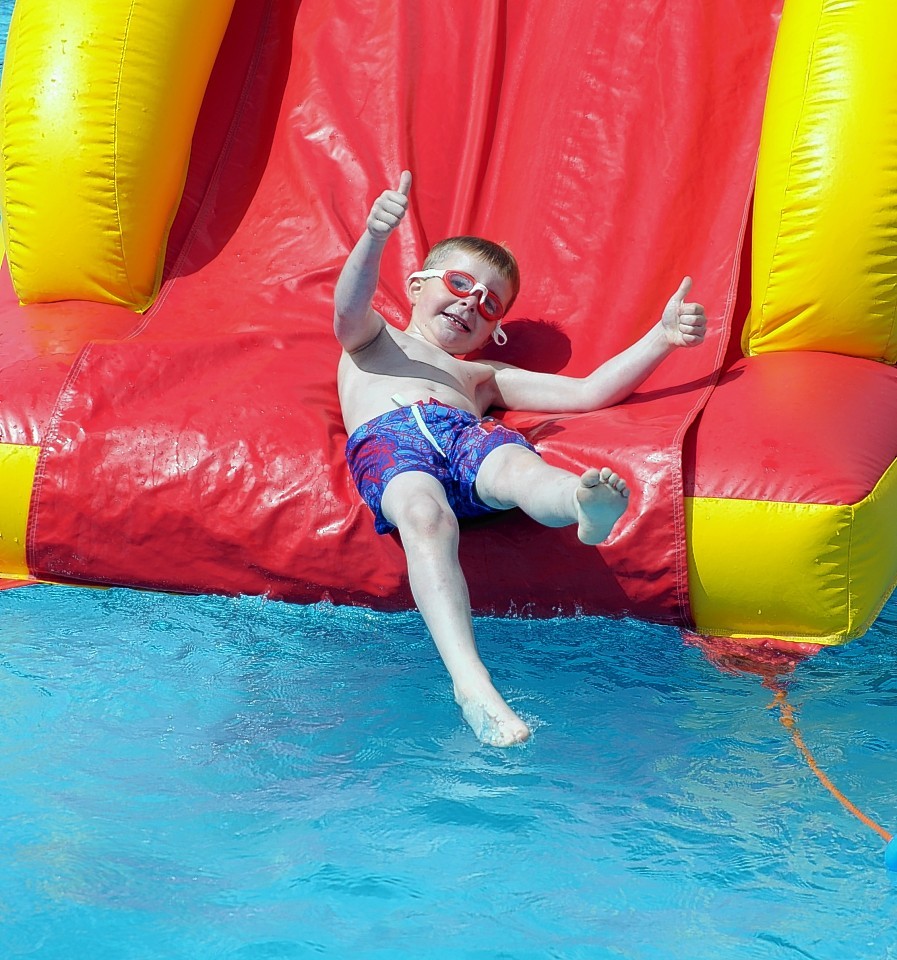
x: 502, y: 473
x: 425, y: 516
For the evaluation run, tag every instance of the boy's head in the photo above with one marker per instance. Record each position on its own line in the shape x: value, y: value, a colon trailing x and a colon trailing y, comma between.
x: 496, y: 255
x: 476, y: 281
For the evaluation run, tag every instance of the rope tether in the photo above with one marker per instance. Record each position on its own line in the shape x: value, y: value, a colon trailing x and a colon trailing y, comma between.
x: 789, y: 722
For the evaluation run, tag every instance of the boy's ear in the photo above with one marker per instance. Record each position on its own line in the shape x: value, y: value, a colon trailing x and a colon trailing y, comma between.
x: 413, y: 288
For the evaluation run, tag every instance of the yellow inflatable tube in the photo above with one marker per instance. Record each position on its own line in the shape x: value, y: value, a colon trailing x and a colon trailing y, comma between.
x: 825, y: 213
x: 805, y: 571
x: 17, y: 467
x: 824, y: 278
x: 99, y: 106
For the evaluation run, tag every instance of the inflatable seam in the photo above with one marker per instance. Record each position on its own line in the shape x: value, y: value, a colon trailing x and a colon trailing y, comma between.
x: 115, y: 182
x: 202, y: 212
x: 851, y: 605
x: 860, y: 629
x: 40, y: 471
x: 9, y: 55
x: 677, y: 482
x: 798, y: 125
x: 890, y: 342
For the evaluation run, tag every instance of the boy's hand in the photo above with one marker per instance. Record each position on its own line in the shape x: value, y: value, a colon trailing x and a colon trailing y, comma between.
x: 683, y: 323
x: 389, y: 209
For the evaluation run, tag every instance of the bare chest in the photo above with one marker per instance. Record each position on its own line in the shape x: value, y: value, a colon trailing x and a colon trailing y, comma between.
x: 397, y: 355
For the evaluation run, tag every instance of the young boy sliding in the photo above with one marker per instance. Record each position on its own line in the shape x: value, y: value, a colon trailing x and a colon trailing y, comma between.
x: 419, y: 450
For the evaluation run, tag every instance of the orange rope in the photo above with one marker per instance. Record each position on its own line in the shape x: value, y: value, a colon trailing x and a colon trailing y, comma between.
x: 786, y: 716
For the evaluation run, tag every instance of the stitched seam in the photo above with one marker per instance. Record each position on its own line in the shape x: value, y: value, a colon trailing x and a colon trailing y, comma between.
x: 798, y: 126
x: 676, y: 480
x: 52, y: 436
x: 115, y: 118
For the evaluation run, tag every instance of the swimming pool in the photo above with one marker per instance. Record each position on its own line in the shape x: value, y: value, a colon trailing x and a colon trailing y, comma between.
x: 203, y: 777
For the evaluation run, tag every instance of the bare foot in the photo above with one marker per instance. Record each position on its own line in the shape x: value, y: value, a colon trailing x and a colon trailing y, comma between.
x: 601, y: 499
x: 490, y: 718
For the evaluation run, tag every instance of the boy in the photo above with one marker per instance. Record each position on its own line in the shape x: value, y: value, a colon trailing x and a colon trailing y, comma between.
x: 422, y: 456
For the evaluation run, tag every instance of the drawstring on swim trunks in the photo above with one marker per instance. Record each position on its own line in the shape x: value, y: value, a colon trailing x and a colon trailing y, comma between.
x: 419, y: 420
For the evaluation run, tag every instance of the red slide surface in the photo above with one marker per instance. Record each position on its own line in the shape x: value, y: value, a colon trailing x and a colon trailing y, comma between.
x: 611, y: 145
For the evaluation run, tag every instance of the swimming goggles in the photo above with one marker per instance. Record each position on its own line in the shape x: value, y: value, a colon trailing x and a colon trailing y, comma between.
x: 462, y: 285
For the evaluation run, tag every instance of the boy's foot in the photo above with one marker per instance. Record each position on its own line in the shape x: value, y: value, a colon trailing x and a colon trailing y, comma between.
x: 601, y: 499
x: 490, y: 718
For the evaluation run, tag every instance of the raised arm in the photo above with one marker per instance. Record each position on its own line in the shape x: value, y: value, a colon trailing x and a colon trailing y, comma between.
x: 681, y: 325
x: 354, y: 322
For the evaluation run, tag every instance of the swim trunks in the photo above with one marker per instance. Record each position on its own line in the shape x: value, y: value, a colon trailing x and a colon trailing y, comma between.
x: 397, y: 442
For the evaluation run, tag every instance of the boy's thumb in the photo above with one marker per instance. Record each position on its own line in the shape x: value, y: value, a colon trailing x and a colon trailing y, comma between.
x: 683, y: 290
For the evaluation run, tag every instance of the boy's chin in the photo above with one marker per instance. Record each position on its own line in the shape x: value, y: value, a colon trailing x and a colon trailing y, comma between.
x: 474, y: 346
x: 467, y: 343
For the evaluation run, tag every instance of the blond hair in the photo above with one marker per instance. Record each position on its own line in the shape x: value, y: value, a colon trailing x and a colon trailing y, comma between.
x: 496, y: 255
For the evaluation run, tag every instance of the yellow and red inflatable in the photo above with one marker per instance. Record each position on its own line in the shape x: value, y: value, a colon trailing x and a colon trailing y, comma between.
x: 181, y: 183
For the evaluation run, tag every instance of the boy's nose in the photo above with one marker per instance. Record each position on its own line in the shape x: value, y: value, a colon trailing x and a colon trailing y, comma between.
x: 470, y: 301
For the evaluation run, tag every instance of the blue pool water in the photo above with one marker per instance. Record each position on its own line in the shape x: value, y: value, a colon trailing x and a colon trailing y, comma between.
x: 5, y: 14
x: 6, y: 7
x: 185, y: 778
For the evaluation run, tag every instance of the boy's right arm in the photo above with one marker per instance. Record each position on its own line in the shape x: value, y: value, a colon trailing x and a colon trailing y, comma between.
x: 354, y: 322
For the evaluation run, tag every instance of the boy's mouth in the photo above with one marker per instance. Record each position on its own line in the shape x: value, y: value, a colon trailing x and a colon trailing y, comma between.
x: 456, y: 320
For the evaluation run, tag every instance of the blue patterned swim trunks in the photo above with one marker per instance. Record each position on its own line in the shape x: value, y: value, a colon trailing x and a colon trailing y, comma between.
x: 397, y: 442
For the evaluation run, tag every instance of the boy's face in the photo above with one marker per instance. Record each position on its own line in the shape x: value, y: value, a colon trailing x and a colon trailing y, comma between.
x: 449, y: 321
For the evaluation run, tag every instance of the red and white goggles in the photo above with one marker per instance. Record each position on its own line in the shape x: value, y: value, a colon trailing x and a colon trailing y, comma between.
x: 463, y: 284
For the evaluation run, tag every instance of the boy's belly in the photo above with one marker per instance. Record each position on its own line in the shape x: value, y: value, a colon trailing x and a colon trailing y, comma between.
x: 366, y: 397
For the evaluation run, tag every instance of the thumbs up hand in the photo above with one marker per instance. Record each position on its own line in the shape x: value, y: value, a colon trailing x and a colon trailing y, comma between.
x: 389, y: 209
x: 683, y: 323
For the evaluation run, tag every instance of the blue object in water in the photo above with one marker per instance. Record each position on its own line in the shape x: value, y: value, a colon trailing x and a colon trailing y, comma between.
x: 891, y: 854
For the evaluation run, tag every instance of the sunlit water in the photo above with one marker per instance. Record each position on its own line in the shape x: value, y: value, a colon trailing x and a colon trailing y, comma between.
x: 202, y: 777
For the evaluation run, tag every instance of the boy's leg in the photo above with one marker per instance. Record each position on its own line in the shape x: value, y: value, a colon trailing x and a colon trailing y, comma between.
x: 515, y: 476
x: 415, y: 502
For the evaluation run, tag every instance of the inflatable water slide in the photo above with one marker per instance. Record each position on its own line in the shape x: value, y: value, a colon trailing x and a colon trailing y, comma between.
x: 182, y: 181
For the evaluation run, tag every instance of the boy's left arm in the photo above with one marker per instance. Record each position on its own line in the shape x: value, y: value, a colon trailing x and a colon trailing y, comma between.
x: 681, y: 325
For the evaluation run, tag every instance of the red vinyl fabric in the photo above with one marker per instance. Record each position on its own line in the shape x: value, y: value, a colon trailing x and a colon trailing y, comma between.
x: 795, y: 427
x: 612, y: 146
